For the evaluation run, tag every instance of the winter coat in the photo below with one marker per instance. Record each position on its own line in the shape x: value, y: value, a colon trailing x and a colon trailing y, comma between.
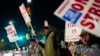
x: 49, y: 45
x: 36, y: 51
x: 83, y: 50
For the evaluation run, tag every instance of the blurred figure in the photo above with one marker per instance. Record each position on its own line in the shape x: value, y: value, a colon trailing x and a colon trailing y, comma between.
x: 50, y: 44
x: 64, y: 51
x: 1, y: 52
x: 38, y: 42
x: 84, y: 46
x: 35, y: 49
x: 7, y: 53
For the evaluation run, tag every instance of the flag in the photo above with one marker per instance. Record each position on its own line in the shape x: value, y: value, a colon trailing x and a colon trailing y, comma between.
x: 24, y: 13
x: 11, y: 33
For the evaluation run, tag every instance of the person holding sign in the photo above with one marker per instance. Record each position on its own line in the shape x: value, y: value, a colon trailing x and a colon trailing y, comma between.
x: 84, y: 47
x: 50, y: 46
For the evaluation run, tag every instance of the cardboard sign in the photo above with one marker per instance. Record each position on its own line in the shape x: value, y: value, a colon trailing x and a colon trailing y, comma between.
x: 83, y: 13
x: 24, y: 13
x: 72, y: 32
x: 11, y: 33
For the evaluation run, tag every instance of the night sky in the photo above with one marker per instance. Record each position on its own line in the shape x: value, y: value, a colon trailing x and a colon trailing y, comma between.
x: 41, y: 10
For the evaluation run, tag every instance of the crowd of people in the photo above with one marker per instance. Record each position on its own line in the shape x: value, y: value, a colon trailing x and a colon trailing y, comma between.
x: 47, y: 49
x: 84, y: 47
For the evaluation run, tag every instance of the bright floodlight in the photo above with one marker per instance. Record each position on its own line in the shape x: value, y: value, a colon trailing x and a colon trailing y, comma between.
x: 29, y: 1
x: 10, y: 22
x: 21, y: 38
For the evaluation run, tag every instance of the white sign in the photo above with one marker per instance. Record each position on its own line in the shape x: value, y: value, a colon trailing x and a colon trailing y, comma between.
x: 11, y: 33
x: 83, y: 13
x: 24, y: 13
x: 72, y: 32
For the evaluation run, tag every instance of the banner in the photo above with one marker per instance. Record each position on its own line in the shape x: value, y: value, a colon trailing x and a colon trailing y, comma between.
x: 24, y: 13
x: 83, y: 13
x: 72, y: 32
x: 11, y: 33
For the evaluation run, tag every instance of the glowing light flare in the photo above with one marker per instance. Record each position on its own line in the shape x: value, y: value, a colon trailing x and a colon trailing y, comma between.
x: 29, y: 1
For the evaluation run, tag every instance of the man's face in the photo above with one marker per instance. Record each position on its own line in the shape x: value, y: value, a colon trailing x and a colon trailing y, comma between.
x: 32, y: 44
x: 46, y: 31
x: 85, y: 38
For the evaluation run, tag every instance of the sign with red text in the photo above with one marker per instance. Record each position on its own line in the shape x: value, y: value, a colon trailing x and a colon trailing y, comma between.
x: 24, y: 13
x: 11, y: 33
x: 72, y: 32
x: 83, y: 13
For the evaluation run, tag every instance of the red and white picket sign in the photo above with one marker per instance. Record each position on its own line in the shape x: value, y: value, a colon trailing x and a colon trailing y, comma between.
x: 24, y: 13
x: 83, y: 13
x: 11, y: 33
x: 72, y: 32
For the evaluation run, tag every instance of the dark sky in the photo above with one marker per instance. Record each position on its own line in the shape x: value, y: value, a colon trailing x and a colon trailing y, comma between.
x: 41, y: 10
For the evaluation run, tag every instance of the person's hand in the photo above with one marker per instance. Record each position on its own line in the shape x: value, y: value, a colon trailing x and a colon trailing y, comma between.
x: 30, y: 46
x: 71, y: 48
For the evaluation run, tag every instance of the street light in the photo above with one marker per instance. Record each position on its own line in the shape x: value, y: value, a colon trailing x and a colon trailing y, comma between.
x: 29, y: 1
x: 11, y: 22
